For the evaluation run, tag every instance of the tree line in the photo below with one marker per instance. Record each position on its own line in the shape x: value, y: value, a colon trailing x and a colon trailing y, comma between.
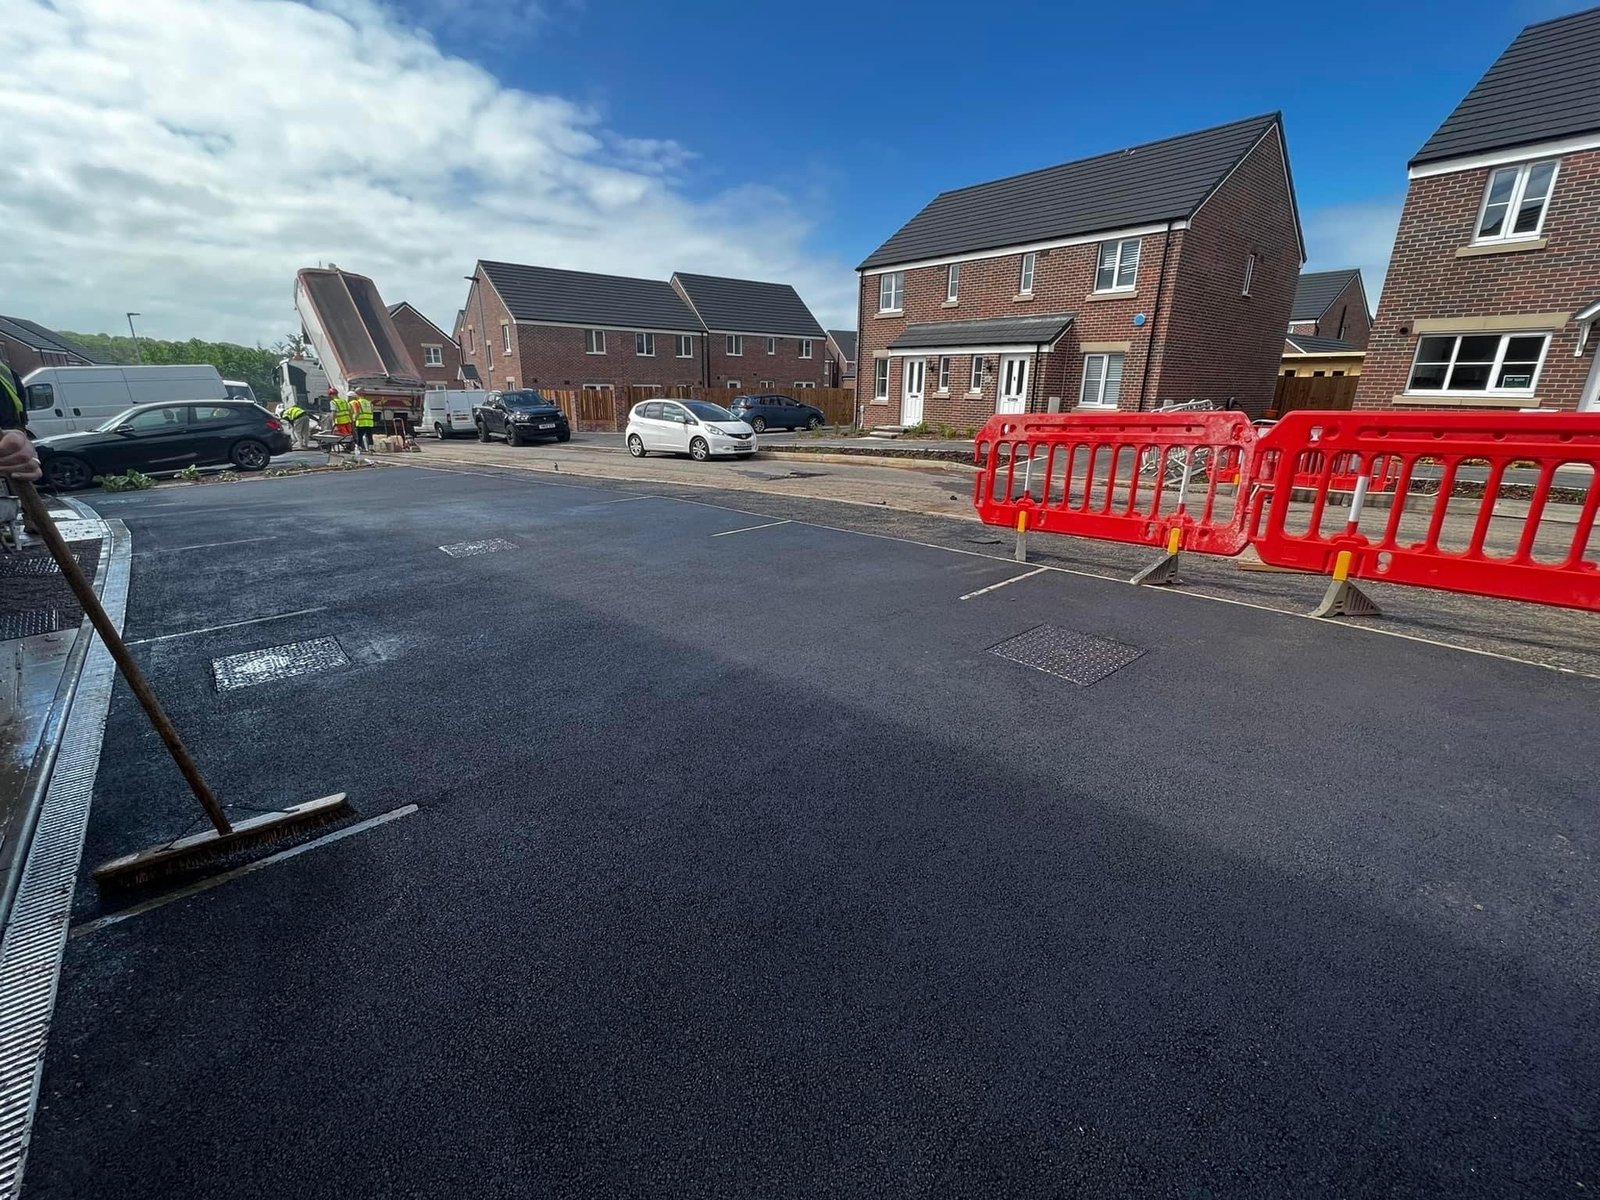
x: 255, y: 365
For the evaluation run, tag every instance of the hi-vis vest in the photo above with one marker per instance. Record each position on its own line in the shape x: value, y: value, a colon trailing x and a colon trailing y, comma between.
x: 11, y: 398
x: 293, y: 413
x: 341, y: 410
x: 365, y: 415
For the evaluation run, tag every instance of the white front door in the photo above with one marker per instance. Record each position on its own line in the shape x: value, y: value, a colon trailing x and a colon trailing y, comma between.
x: 1013, y: 384
x: 911, y: 394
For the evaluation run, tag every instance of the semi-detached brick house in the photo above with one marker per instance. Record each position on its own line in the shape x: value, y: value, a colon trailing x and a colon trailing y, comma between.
x: 435, y: 353
x: 841, y: 358
x: 1494, y: 283
x: 1332, y: 304
x: 1159, y: 273
x: 759, y: 335
x: 574, y: 329
x: 28, y: 346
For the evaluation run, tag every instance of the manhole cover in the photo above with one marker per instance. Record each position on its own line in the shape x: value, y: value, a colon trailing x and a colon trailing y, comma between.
x: 468, y: 549
x: 30, y: 623
x: 1076, y: 657
x: 278, y: 662
x: 13, y: 565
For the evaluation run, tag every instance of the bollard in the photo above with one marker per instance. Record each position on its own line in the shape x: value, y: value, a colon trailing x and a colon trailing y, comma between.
x: 1022, y: 536
x: 1343, y: 598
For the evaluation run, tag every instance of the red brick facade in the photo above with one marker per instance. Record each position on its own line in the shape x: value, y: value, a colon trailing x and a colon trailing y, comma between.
x: 781, y: 370
x: 24, y: 358
x: 1348, y: 312
x: 1210, y: 341
x: 418, y: 334
x: 1535, y: 286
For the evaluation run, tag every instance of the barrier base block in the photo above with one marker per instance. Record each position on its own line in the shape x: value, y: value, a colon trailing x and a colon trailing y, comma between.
x: 1345, y: 599
x: 1021, y: 552
x: 1162, y: 572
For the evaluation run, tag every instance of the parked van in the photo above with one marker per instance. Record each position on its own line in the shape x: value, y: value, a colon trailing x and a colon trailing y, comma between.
x: 238, y: 389
x: 70, y: 399
x: 449, y: 412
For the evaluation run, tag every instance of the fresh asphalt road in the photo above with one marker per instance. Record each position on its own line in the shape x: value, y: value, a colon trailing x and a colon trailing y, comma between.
x: 742, y: 868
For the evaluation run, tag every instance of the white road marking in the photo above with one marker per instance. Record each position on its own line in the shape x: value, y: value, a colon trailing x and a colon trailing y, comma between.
x: 208, y: 545
x: 750, y: 528
x: 205, y: 885
x: 1006, y: 582
x: 167, y: 637
x: 625, y: 500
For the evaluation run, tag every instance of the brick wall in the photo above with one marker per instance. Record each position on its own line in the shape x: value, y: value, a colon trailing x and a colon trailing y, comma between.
x: 416, y: 334
x: 1350, y: 307
x: 24, y: 358
x: 1222, y: 344
x: 1427, y: 280
x: 557, y: 356
x: 783, y: 367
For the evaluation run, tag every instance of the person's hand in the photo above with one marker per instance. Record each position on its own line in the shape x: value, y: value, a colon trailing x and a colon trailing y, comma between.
x: 18, y: 458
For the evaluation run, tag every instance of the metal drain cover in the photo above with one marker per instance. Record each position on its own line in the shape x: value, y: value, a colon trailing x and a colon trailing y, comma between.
x: 468, y: 549
x: 1076, y: 657
x: 13, y: 565
x: 278, y: 662
x: 30, y: 623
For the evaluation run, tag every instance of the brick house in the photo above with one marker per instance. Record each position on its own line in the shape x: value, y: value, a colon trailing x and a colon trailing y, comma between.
x: 1494, y: 280
x: 1332, y: 305
x: 28, y: 346
x: 573, y: 329
x: 758, y: 335
x: 841, y: 358
x: 1158, y: 273
x: 435, y: 352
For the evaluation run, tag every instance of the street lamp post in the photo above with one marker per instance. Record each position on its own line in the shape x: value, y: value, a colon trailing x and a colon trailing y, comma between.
x: 137, y: 353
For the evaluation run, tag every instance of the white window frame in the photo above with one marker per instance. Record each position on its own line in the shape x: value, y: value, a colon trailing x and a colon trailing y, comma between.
x: 975, y: 383
x: 944, y: 375
x: 685, y: 345
x: 471, y: 346
x: 1119, y: 256
x: 432, y: 356
x: 880, y: 379
x: 805, y: 347
x: 733, y: 345
x: 1514, y: 204
x: 644, y: 345
x: 892, y: 292
x: 802, y: 384
x: 952, y: 283
x: 733, y: 383
x: 1100, y: 398
x: 1494, y: 369
x: 1026, y: 272
x: 505, y: 337
x: 772, y: 345
x: 1249, y: 274
x: 595, y: 342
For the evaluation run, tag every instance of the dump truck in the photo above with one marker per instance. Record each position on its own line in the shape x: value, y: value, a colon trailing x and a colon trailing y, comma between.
x: 357, y: 345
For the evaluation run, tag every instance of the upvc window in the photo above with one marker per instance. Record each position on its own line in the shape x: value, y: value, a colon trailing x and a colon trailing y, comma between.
x: 977, y: 373
x: 685, y: 347
x: 596, y: 341
x: 805, y: 347
x: 944, y: 374
x: 644, y: 345
x: 772, y: 345
x: 880, y: 379
x: 1119, y: 266
x: 1025, y: 274
x: 734, y: 344
x: 433, y: 356
x: 505, y: 338
x: 1249, y: 274
x: 1102, y: 380
x: 952, y: 283
x: 892, y: 291
x: 1496, y: 364
x: 1515, y: 201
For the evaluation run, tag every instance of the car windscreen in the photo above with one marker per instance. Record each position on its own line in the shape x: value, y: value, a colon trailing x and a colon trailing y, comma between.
x: 709, y: 412
x: 527, y: 399
x: 122, y: 418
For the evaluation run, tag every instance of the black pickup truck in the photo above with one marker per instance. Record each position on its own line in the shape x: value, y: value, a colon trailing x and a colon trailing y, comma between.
x: 520, y: 416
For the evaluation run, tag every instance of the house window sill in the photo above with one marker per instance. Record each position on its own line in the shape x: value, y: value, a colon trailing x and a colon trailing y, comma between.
x: 950, y: 303
x: 1021, y: 297
x: 889, y: 312
x: 1515, y: 246
x: 1447, y: 401
x: 1096, y: 297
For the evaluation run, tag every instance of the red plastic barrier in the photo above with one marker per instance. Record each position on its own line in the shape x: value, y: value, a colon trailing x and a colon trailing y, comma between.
x: 1487, y: 546
x: 1122, y: 477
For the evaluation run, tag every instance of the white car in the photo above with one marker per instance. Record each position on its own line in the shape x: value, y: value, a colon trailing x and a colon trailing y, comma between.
x: 690, y: 427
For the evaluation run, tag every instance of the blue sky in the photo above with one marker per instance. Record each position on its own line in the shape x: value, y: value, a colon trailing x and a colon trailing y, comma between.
x: 861, y: 112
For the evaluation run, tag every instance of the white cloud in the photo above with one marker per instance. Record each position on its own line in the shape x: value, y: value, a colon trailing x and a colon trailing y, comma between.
x: 184, y: 157
x: 1354, y: 235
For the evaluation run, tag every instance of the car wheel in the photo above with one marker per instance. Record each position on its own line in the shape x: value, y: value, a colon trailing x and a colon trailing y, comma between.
x: 814, y: 423
x: 698, y: 450
x: 483, y: 432
x: 564, y: 437
x: 66, y: 473
x: 439, y: 432
x: 635, y: 445
x: 759, y: 424
x: 511, y: 436
x: 249, y: 455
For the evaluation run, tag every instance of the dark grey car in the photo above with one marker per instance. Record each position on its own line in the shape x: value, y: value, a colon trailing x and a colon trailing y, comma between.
x: 763, y: 411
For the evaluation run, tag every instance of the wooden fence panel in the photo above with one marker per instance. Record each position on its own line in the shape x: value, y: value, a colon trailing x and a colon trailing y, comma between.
x: 605, y: 410
x: 1331, y: 392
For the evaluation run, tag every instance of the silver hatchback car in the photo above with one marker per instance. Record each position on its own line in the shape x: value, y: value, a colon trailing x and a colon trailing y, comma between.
x: 691, y: 427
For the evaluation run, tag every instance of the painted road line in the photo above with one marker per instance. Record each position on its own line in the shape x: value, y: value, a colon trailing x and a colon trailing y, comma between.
x: 205, y: 885
x: 751, y: 528
x: 206, y: 545
x: 625, y: 500
x: 1005, y: 583
x: 167, y: 637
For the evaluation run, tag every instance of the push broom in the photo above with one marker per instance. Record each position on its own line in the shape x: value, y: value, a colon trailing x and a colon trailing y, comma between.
x: 226, y: 838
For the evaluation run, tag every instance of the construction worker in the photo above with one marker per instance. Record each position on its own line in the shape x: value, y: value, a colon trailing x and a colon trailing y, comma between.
x: 344, y: 422
x: 13, y: 412
x: 300, y: 421
x: 366, y: 418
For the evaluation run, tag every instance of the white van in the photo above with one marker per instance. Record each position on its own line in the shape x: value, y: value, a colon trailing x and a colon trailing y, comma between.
x: 449, y: 412
x: 238, y: 389
x: 73, y: 399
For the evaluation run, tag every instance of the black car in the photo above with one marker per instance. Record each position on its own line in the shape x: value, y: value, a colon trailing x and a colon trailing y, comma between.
x: 762, y: 412
x: 166, y: 437
x: 520, y: 416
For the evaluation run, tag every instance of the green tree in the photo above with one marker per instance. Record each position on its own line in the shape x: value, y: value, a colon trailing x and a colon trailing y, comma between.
x: 255, y: 365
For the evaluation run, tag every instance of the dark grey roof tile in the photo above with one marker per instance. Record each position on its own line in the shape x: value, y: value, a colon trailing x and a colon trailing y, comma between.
x: 37, y: 337
x: 995, y: 331
x: 1307, y: 344
x: 845, y: 339
x: 748, y: 306
x: 1316, y: 292
x: 584, y: 298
